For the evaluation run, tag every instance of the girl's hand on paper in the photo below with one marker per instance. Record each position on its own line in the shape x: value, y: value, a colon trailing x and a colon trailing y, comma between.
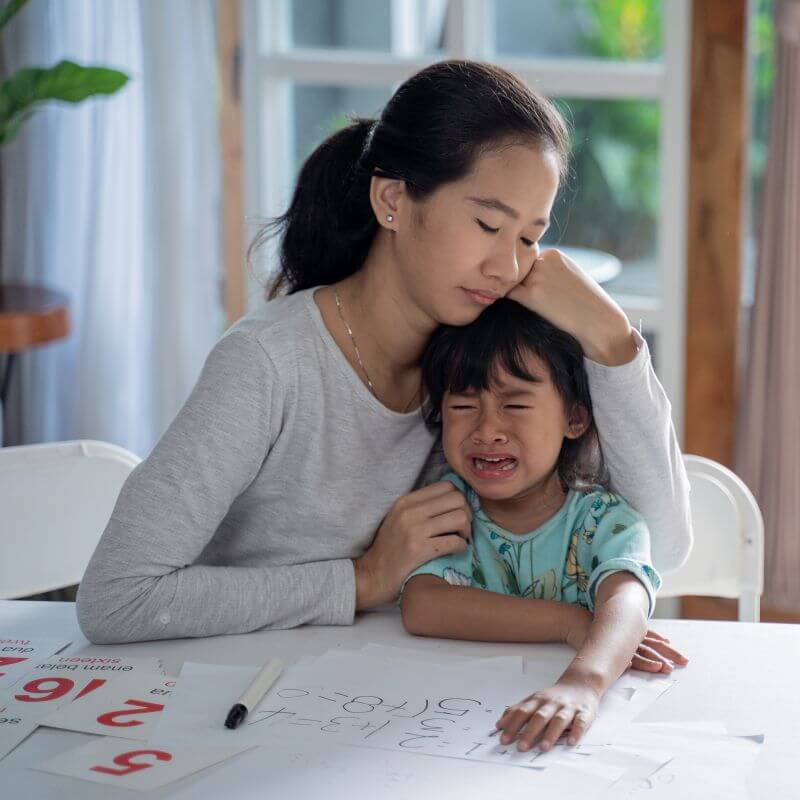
x: 655, y: 654
x: 548, y: 713
x: 558, y: 289
x: 430, y: 522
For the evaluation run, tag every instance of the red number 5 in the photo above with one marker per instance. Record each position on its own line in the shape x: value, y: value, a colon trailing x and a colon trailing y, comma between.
x: 125, y: 760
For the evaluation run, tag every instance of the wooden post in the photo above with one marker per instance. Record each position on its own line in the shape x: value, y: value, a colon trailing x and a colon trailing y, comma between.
x: 717, y: 156
x: 230, y: 130
x: 716, y: 159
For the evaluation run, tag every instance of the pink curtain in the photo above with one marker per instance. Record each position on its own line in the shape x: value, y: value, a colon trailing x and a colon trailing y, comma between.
x: 768, y: 441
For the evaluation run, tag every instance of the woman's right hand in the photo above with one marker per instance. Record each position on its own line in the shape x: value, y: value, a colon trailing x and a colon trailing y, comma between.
x: 430, y: 522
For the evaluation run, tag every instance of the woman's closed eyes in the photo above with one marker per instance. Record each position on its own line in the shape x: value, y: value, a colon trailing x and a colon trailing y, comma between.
x: 489, y: 229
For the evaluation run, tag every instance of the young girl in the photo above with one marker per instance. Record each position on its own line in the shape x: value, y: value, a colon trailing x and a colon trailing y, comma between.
x: 271, y: 500
x: 563, y: 558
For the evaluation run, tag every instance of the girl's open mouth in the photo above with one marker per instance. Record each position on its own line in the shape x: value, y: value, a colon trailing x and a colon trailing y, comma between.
x: 493, y: 466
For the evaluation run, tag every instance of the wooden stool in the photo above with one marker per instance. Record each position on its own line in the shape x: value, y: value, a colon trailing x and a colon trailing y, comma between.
x: 29, y: 316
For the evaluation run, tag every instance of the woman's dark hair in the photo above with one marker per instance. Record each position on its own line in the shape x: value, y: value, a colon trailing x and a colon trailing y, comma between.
x: 460, y: 358
x: 430, y: 133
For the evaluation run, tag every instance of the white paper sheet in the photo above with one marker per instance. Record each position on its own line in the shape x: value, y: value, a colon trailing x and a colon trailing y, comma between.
x: 18, y: 654
x: 127, y: 706
x: 313, y: 768
x: 707, y: 763
x: 391, y: 652
x: 446, y: 712
x: 13, y: 729
x: 132, y: 765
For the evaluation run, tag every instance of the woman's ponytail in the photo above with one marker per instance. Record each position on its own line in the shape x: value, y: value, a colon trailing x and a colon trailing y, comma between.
x: 327, y: 230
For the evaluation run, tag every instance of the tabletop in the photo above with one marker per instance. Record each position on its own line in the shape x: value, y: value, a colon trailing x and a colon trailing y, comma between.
x: 741, y: 674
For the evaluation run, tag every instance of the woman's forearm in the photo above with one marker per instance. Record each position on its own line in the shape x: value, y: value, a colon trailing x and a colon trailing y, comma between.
x: 619, y: 624
x: 432, y: 607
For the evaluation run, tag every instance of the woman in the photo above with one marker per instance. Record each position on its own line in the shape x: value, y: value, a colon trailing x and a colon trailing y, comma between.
x: 286, y: 489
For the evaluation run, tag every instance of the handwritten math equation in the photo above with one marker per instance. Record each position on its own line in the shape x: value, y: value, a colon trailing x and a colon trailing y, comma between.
x: 461, y: 727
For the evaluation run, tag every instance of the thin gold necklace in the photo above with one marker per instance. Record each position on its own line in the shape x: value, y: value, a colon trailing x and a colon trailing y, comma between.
x: 358, y: 354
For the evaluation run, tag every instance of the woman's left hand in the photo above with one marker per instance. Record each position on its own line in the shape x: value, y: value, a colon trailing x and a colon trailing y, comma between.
x: 559, y: 290
x: 548, y: 713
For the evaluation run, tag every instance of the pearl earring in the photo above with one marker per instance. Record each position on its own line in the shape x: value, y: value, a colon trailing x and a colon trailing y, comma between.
x: 389, y: 218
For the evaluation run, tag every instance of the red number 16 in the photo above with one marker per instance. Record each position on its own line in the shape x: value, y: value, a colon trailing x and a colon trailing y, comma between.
x: 125, y: 760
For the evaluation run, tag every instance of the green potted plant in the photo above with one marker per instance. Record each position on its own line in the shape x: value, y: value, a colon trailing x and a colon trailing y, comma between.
x: 25, y: 90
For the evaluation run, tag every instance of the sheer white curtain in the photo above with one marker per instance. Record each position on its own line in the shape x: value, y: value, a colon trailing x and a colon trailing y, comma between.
x: 115, y: 202
x: 768, y: 452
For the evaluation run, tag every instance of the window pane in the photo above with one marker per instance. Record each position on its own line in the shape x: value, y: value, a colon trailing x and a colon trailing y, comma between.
x: 610, y: 199
x: 353, y: 24
x: 628, y: 30
x: 411, y: 27
x: 761, y: 83
x: 318, y: 111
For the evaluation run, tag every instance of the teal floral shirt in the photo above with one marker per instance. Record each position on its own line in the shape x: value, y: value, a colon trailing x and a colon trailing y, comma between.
x: 593, y: 535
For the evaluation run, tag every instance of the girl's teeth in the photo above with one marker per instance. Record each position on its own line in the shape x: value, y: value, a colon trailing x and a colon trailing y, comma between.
x: 495, y: 464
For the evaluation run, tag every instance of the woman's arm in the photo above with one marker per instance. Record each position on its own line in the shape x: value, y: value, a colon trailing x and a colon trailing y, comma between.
x: 641, y: 451
x: 631, y: 409
x: 619, y: 625
x: 142, y: 582
x: 432, y: 607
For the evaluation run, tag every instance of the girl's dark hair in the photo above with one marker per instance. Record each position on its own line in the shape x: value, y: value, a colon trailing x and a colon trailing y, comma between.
x: 460, y: 358
x: 430, y: 133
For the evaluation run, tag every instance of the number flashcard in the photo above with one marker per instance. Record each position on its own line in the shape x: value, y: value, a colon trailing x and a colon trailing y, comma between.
x: 18, y: 655
x: 134, y: 765
x: 14, y: 726
x: 66, y: 678
x: 125, y: 706
x: 56, y: 682
x: 79, y: 666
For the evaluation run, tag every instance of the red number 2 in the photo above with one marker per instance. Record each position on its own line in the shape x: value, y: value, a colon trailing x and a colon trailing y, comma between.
x: 125, y: 760
x: 143, y: 707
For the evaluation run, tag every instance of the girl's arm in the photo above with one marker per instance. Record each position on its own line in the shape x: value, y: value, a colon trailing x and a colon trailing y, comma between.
x: 432, y: 607
x: 620, y: 623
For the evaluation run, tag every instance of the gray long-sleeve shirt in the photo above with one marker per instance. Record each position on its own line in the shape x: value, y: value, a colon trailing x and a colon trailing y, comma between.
x: 279, y: 469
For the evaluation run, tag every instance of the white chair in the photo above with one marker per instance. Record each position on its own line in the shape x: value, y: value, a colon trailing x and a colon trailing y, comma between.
x: 727, y: 559
x: 55, y: 501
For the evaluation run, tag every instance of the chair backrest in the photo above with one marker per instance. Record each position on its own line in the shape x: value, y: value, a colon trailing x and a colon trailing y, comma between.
x: 727, y: 559
x: 55, y: 501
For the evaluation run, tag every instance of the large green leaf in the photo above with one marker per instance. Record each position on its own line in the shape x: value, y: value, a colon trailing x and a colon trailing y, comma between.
x: 66, y: 81
x: 9, y: 10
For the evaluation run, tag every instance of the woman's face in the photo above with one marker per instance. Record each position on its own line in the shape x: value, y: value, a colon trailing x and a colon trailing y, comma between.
x: 473, y: 240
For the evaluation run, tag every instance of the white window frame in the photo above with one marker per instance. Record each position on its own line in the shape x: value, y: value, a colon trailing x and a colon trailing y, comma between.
x: 271, y: 65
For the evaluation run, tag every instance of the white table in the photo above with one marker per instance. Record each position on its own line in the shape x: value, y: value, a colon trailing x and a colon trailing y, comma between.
x: 742, y: 674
